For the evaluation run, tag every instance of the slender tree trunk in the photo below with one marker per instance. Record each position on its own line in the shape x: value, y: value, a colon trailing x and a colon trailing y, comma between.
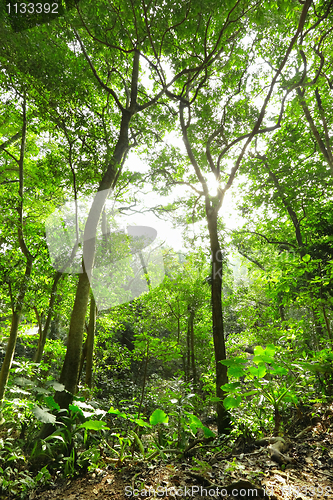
x: 218, y: 327
x: 144, y: 381
x: 178, y: 329
x: 70, y: 370
x: 188, y: 353
x: 43, y: 334
x: 318, y: 328
x: 328, y: 328
x: 10, y: 350
x: 194, y: 370
x: 282, y: 315
x: 18, y: 305
x: 83, y: 358
x: 90, y: 342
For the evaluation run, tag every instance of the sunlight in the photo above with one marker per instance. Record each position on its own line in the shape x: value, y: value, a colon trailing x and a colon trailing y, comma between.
x: 212, y: 184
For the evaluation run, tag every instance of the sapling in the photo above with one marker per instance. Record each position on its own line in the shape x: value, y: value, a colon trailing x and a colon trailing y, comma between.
x: 264, y: 374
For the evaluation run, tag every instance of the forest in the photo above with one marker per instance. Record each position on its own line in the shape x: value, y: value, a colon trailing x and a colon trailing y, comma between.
x: 130, y: 366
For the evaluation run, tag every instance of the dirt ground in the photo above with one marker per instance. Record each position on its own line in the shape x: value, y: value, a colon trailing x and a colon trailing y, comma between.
x: 242, y: 474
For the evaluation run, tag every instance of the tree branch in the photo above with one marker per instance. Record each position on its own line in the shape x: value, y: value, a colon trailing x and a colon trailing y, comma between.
x: 10, y: 141
x: 102, y: 84
x: 22, y: 243
x: 256, y: 127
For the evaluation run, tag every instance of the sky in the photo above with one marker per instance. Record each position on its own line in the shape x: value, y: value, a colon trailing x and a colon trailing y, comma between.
x: 166, y: 232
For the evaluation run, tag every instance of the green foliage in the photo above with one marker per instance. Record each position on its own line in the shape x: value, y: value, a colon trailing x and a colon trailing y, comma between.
x: 158, y: 417
x: 204, y: 71
x: 266, y: 380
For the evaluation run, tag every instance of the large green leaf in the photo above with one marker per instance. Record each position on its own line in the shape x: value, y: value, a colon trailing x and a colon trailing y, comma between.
x: 159, y: 417
x: 231, y: 387
x: 262, y: 358
x: 232, y: 402
x: 57, y: 386
x: 43, y: 415
x: 49, y: 400
x: 236, y: 371
x: 258, y: 372
x: 208, y: 432
x: 117, y: 412
x: 94, y: 425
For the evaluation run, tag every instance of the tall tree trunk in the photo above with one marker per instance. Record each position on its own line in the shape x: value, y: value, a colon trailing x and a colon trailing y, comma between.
x: 90, y: 342
x: 194, y: 370
x: 218, y: 327
x: 70, y: 370
x: 17, y: 305
x: 10, y: 350
x: 43, y: 334
x: 188, y: 353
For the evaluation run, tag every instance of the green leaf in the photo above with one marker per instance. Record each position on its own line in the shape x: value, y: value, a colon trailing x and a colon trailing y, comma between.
x: 232, y: 388
x: 43, y: 415
x: 113, y: 411
x: 158, y: 417
x: 195, y: 420
x: 75, y: 409
x: 258, y: 350
x: 270, y: 350
x: 51, y: 403
x: 141, y: 422
x: 233, y: 361
x: 208, y: 432
x: 232, y: 402
x: 262, y: 359
x: 236, y: 371
x: 55, y: 435
x: 94, y: 425
x: 56, y: 386
x: 258, y: 372
x: 22, y: 381
x: 306, y: 257
x: 250, y: 393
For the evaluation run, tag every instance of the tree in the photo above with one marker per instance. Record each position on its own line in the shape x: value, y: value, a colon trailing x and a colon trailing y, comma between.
x: 211, y: 134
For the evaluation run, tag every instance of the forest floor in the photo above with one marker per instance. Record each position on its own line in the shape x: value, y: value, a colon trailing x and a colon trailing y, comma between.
x: 247, y: 472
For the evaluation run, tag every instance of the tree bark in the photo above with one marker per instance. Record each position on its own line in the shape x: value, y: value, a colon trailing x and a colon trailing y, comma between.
x: 194, y: 370
x: 43, y: 334
x: 17, y: 306
x: 217, y: 312
x: 10, y: 350
x: 188, y: 353
x: 90, y: 343
x: 70, y: 370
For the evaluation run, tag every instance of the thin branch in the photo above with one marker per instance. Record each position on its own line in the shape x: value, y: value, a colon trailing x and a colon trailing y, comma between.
x: 9, y: 182
x: 251, y: 259
x: 22, y: 243
x: 12, y: 156
x: 10, y: 141
x: 256, y: 127
x: 271, y: 242
x: 191, y: 154
x: 314, y: 129
x: 103, y: 42
x: 323, y: 119
x: 102, y: 84
x: 261, y: 131
x: 320, y: 19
